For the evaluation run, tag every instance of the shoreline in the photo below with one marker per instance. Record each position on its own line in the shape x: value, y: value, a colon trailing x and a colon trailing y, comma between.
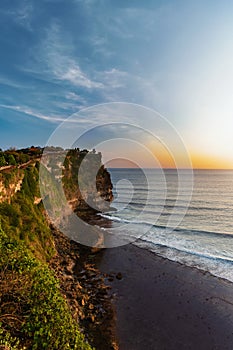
x: 149, y: 301
x: 201, y: 270
x: 163, y: 304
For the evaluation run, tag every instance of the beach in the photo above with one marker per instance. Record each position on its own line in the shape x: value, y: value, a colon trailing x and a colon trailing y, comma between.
x: 165, y: 305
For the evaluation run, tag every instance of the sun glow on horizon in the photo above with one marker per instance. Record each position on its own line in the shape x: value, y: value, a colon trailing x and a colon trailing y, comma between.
x: 198, y: 161
x: 204, y: 161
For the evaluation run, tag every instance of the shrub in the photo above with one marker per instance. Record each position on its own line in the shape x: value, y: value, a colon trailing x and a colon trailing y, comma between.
x: 37, y: 314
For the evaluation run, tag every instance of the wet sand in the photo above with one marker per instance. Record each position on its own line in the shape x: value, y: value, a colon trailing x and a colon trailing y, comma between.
x: 167, y: 306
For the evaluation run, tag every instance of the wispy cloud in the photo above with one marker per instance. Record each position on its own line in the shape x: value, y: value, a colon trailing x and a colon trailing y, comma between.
x: 114, y: 78
x: 56, y: 61
x: 75, y: 97
x: 56, y: 54
x: 21, y: 14
x: 12, y: 83
x: 60, y: 63
x: 28, y: 111
x: 72, y: 73
x: 75, y: 118
x: 68, y: 107
x: 101, y: 46
x: 24, y: 13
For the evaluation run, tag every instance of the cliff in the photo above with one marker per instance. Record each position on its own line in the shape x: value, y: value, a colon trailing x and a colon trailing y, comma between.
x: 86, y: 187
x: 10, y: 183
x: 67, y: 174
x: 48, y: 284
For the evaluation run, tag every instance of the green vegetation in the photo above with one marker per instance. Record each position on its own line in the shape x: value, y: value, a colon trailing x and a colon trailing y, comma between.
x: 33, y: 312
x: 22, y: 220
x: 17, y: 157
x: 74, y: 178
x: 10, y: 177
x: 2, y: 160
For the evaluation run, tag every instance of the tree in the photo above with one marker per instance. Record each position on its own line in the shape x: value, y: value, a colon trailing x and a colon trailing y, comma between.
x: 2, y: 160
x: 11, y: 160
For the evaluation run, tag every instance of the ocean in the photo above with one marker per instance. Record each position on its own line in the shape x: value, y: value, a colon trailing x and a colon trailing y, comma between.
x: 193, y: 226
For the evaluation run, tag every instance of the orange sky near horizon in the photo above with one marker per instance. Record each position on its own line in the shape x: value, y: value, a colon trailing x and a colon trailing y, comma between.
x: 199, y: 161
x: 151, y: 152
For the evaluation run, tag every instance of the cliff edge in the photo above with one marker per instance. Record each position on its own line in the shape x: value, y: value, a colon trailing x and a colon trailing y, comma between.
x: 52, y: 296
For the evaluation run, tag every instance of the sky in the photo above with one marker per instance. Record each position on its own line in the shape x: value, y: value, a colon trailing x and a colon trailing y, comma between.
x: 58, y: 57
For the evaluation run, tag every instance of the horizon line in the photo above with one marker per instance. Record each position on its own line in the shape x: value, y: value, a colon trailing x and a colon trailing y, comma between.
x: 164, y: 168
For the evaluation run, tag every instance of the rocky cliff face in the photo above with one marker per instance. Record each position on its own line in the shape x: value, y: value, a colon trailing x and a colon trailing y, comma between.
x: 89, y: 184
x: 81, y: 175
x: 10, y: 183
x: 95, y: 194
x: 80, y: 282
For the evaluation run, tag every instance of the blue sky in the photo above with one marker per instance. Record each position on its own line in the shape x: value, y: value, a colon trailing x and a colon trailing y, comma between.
x: 59, y: 56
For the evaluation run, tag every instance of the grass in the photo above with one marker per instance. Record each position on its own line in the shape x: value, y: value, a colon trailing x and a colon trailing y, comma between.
x: 33, y: 313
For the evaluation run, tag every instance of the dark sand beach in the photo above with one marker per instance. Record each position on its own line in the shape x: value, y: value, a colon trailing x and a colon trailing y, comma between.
x: 167, y: 306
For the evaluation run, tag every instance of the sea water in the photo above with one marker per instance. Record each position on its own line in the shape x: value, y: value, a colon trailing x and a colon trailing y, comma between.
x: 193, y: 226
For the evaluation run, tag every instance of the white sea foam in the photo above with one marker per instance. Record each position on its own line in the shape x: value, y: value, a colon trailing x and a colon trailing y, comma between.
x: 204, y: 239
